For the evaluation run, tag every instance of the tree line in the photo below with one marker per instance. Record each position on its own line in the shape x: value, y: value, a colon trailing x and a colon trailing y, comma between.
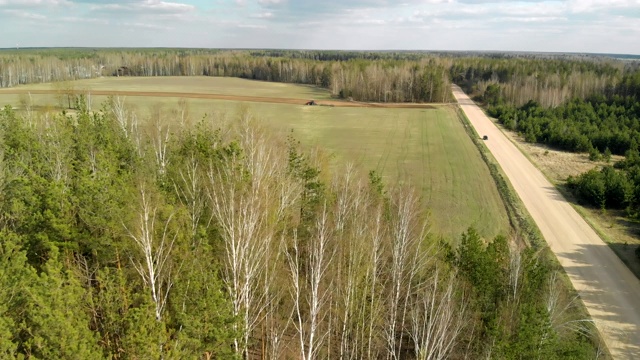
x: 602, y: 122
x: 163, y: 237
x: 362, y: 78
x: 550, y: 82
x: 385, y: 76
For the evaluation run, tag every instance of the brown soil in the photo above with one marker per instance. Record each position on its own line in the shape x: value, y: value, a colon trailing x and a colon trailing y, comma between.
x: 263, y: 99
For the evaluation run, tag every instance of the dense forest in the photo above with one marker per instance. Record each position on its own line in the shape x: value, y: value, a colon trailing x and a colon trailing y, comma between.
x: 130, y: 238
x: 548, y: 82
x: 607, y: 121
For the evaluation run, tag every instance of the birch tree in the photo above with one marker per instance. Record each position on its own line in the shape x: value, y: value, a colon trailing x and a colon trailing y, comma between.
x: 159, y: 133
x: 249, y: 197
x: 375, y: 282
x: 351, y: 211
x: 561, y: 309
x: 310, y: 288
x: 121, y: 114
x: 238, y: 215
x: 407, y: 233
x: 56, y: 136
x: 190, y: 188
x: 437, y: 317
x: 26, y: 103
x: 154, y: 238
x: 127, y: 120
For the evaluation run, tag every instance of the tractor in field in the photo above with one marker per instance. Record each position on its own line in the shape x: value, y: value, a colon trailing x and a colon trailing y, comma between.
x: 311, y: 103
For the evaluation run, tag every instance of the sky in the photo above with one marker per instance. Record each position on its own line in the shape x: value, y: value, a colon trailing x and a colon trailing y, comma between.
x: 606, y: 26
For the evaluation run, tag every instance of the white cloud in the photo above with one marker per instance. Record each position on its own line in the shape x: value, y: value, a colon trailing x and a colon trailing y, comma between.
x: 251, y: 26
x: 146, y: 7
x: 370, y: 21
x: 597, y: 5
x: 264, y: 15
x: 86, y: 20
x: 23, y: 14
x: 146, y: 26
x: 32, y: 3
x: 528, y: 19
x: 546, y: 25
x: 529, y: 9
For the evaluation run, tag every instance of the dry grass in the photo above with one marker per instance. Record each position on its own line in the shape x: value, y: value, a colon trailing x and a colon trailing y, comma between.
x: 555, y: 164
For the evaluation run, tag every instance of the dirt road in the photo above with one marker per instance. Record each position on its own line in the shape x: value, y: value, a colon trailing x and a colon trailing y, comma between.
x: 272, y: 100
x: 609, y: 290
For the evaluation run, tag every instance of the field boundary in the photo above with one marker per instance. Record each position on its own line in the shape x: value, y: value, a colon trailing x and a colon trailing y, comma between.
x: 214, y: 96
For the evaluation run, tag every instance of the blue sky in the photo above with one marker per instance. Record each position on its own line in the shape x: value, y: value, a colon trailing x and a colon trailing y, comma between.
x: 609, y: 26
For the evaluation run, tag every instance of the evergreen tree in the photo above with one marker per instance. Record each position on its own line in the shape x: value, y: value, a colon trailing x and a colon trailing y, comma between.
x: 55, y: 323
x: 15, y: 274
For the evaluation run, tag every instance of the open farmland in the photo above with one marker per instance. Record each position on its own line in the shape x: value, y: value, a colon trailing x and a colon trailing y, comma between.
x: 191, y: 84
x: 425, y: 147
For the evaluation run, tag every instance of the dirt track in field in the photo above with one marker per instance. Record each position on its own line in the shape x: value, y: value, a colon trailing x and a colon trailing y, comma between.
x: 609, y: 290
x: 263, y: 99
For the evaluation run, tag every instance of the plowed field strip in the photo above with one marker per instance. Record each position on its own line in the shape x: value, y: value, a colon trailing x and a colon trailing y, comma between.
x: 263, y: 99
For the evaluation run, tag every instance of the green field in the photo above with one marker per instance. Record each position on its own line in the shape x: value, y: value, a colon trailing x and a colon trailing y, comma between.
x: 428, y: 148
x: 195, y: 84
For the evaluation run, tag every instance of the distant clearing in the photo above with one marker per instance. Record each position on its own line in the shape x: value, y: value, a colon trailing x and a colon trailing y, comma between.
x: 425, y: 146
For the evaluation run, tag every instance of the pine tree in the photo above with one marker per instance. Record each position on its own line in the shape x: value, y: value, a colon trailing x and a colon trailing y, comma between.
x: 14, y: 275
x: 56, y: 324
